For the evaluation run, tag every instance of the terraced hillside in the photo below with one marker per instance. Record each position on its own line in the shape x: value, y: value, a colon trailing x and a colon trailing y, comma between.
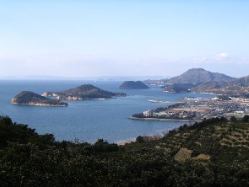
x: 214, y: 140
x: 214, y: 152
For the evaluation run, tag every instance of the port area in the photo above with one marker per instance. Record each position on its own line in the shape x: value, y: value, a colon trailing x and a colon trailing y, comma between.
x: 196, y: 109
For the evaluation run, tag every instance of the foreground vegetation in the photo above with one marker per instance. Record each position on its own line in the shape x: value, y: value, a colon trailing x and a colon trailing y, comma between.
x: 214, y: 152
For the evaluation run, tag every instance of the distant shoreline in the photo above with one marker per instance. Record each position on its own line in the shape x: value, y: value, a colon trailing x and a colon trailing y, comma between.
x: 158, y: 119
x: 132, y: 140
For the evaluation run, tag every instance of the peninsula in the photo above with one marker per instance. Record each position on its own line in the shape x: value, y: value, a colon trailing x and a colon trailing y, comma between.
x: 30, y: 98
x: 133, y: 85
x: 83, y: 92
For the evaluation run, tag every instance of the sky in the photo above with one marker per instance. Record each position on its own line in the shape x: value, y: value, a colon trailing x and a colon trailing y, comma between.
x: 97, y: 38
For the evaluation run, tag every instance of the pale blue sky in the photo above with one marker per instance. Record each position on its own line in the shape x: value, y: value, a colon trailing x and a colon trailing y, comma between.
x: 129, y: 38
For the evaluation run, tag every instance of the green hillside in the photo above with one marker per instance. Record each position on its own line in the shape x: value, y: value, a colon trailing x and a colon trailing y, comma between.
x: 133, y: 85
x: 84, y: 92
x: 197, y: 76
x: 213, y: 152
x: 31, y: 98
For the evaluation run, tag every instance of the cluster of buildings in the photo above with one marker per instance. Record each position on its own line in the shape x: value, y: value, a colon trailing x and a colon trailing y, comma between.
x: 200, y: 108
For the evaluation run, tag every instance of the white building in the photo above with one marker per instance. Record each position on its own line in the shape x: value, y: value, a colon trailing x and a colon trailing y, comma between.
x: 148, y: 113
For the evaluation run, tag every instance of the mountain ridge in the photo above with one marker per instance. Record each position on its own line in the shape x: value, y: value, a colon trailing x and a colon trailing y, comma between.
x: 243, y: 81
x: 197, y: 76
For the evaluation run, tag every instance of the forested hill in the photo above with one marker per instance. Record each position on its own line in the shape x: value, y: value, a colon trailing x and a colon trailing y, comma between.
x: 213, y: 152
x: 84, y: 92
x: 31, y: 98
x: 133, y: 85
x: 243, y: 81
x: 197, y: 76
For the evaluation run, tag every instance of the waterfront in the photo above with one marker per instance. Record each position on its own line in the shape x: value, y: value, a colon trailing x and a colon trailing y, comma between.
x: 92, y: 119
x: 198, y: 109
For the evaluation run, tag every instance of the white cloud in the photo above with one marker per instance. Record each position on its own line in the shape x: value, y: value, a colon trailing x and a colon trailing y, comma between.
x: 222, y: 56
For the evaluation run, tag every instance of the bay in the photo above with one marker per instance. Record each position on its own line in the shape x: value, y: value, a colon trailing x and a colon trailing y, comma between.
x: 92, y: 119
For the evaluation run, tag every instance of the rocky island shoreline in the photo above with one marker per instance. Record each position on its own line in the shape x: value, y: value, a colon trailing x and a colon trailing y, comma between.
x: 34, y: 99
x: 83, y: 92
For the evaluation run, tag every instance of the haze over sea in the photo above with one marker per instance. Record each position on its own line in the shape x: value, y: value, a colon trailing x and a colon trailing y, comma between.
x: 92, y: 119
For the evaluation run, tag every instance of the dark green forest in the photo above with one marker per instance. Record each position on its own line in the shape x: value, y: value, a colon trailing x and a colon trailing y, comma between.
x: 214, y: 152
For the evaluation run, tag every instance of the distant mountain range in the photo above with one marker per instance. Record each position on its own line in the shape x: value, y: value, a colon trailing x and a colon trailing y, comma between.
x: 93, y: 78
x: 201, y: 80
x: 197, y: 76
x: 243, y: 81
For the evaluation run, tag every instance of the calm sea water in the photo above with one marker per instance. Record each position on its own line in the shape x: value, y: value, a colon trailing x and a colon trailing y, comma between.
x: 88, y: 120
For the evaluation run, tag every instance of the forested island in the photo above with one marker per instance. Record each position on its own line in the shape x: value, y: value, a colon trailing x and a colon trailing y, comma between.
x: 83, y: 92
x: 34, y: 99
x: 213, y: 152
x: 133, y: 85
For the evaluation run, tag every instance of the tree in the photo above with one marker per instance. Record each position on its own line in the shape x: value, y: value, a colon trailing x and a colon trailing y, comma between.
x: 245, y: 118
x: 233, y: 119
x: 140, y: 139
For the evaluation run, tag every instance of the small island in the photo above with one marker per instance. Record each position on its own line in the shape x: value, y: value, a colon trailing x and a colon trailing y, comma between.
x: 30, y: 98
x: 178, y: 88
x: 133, y: 85
x: 83, y: 92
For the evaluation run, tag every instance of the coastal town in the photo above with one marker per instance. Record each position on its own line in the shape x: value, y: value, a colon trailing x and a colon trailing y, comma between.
x: 198, y: 108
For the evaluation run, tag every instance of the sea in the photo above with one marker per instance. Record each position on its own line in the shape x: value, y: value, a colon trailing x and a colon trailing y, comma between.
x: 89, y: 120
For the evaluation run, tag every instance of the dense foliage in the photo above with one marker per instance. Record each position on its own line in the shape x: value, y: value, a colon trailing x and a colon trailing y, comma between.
x: 133, y: 85
x: 198, y: 76
x: 213, y: 152
x: 90, y: 91
x: 27, y: 97
x: 178, y: 87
